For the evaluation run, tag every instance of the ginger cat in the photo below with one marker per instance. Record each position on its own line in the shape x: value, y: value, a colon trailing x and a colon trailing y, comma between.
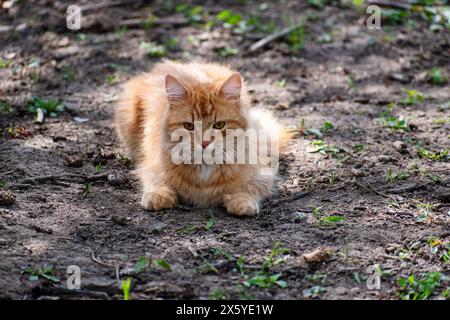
x: 174, y: 96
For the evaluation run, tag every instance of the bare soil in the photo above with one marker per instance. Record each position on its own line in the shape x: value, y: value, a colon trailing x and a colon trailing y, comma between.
x: 88, y: 213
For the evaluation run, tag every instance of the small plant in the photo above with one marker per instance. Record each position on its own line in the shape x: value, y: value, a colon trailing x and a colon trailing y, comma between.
x: 281, y: 83
x: 126, y: 286
x: 112, y: 79
x: 313, y: 292
x: 296, y: 38
x: 240, y: 264
x: 436, y: 76
x: 42, y: 273
x: 142, y: 264
x: 98, y: 168
x: 163, y: 264
x: 275, y: 257
x: 227, y: 51
x: 50, y: 107
x: 413, y: 97
x: 217, y: 294
x: 411, y: 288
x: 125, y: 159
x: 5, y: 63
x: 265, y: 281
x: 87, y: 189
x: 392, y: 175
x: 153, y: 50
x: 331, y: 220
x: 427, y: 154
x: 322, y: 148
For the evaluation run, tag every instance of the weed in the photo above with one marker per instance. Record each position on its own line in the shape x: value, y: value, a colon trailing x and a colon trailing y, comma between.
x: 313, y: 292
x: 296, y: 38
x: 427, y: 154
x: 163, y: 264
x: 413, y: 97
x: 436, y: 76
x: 331, y: 220
x: 265, y: 281
x: 42, y: 273
x: 412, y: 288
x: 392, y: 175
x: 217, y: 294
x: 227, y: 51
x: 153, y: 50
x: 126, y: 286
x: 50, y: 107
x: 322, y: 148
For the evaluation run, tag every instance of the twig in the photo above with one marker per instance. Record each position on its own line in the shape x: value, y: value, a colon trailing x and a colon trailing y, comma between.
x: 157, y: 21
x: 390, y: 4
x: 407, y: 188
x: 295, y: 196
x: 107, y: 4
x: 274, y: 36
x: 94, y: 258
x: 367, y: 187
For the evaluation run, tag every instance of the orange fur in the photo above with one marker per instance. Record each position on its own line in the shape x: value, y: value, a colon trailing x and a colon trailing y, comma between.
x: 156, y: 103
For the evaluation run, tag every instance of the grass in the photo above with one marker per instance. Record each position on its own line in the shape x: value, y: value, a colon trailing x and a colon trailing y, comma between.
x: 50, y: 107
x: 227, y: 51
x: 319, y: 146
x: 413, y: 97
x: 126, y: 286
x: 217, y: 294
x: 420, y: 288
x: 194, y: 228
x: 434, y: 156
x: 330, y: 220
x: 5, y: 63
x: 45, y: 273
x: 392, y: 175
x: 153, y: 50
x: 296, y: 39
x: 436, y: 76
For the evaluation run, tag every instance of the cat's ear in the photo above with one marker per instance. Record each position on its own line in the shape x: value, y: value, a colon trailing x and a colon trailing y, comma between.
x: 174, y: 89
x: 232, y: 87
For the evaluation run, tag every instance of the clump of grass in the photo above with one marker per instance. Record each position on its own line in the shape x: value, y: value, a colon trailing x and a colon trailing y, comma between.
x: 50, y: 107
x: 392, y: 175
x: 217, y: 294
x: 436, y: 76
x: 413, y: 97
x: 227, y: 51
x: 194, y: 228
x: 412, y: 288
x: 319, y: 146
x: 442, y: 155
x: 264, y: 279
x: 296, y: 39
x: 153, y: 50
x: 126, y: 286
x: 46, y: 273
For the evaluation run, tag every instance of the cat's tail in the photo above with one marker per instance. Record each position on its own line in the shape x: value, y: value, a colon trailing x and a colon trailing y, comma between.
x: 262, y: 118
x: 284, y: 138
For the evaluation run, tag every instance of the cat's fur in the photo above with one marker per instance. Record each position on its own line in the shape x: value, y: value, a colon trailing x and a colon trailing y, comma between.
x: 156, y: 103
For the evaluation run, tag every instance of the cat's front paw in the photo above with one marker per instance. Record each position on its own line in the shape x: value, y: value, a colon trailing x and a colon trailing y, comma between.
x: 241, y: 204
x: 159, y: 199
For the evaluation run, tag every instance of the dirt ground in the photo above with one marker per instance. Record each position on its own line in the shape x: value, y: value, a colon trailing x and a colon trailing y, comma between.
x: 374, y: 196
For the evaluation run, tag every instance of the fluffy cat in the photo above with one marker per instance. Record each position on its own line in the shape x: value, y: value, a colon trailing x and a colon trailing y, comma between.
x: 173, y: 96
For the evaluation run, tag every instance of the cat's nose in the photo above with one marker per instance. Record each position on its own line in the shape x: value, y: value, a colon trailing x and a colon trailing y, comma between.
x: 205, y: 144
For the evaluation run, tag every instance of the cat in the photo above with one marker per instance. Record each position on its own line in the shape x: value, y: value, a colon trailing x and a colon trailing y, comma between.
x: 175, y: 96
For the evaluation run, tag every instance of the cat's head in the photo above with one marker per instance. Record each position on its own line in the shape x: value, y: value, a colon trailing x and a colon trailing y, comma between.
x: 205, y: 108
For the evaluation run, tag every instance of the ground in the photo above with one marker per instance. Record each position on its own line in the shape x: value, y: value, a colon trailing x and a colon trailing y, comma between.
x: 375, y: 196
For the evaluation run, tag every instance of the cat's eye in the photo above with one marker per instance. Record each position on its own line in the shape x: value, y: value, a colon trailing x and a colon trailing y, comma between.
x: 188, y: 126
x: 219, y: 125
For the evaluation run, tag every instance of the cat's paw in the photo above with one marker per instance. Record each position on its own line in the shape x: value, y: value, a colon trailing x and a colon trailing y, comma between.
x: 241, y: 204
x: 159, y: 199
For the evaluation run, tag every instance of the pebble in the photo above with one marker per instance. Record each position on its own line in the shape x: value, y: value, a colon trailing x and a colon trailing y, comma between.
x: 7, y: 198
